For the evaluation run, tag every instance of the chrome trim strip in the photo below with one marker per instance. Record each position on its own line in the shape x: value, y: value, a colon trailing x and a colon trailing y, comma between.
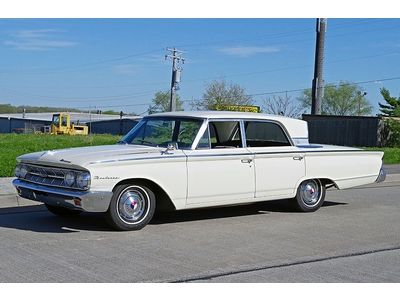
x: 263, y: 153
x: 140, y: 158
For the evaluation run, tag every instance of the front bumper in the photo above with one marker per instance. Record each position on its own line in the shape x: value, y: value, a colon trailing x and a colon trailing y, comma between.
x: 91, y: 201
x: 381, y: 176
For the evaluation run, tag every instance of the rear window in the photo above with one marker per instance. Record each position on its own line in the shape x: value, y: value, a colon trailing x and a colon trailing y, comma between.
x: 265, y: 134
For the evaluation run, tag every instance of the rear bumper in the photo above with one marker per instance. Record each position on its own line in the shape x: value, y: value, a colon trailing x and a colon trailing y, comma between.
x: 381, y: 176
x: 91, y: 201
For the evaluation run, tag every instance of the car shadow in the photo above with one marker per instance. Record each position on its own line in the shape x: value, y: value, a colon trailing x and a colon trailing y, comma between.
x: 280, y: 206
x: 36, y: 218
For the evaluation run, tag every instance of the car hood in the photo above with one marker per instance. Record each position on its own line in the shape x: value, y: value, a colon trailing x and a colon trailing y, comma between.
x: 82, y: 156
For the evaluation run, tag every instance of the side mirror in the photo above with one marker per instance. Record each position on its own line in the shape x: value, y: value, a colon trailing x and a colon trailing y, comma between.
x: 170, y: 147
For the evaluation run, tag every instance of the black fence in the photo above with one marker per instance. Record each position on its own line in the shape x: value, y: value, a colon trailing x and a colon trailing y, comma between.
x: 345, y: 130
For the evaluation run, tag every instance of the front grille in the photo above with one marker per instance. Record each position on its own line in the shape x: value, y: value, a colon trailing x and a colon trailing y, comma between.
x: 48, y: 176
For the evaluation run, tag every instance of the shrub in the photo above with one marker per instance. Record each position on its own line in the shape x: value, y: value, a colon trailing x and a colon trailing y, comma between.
x: 391, y: 132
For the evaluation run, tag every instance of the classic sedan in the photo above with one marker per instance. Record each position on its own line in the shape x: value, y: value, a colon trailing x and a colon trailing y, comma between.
x: 183, y: 160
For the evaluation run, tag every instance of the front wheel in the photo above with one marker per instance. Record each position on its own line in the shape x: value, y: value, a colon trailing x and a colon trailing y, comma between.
x: 132, y: 207
x: 310, y: 195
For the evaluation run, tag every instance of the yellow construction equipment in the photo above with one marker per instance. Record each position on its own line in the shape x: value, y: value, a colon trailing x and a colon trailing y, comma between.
x: 61, y: 124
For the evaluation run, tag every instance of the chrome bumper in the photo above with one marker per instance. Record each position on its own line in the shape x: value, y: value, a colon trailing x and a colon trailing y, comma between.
x: 381, y: 176
x: 90, y: 201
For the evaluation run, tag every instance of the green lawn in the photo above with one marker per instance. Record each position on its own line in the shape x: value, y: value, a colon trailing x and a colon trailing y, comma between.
x: 13, y: 145
x: 392, y: 155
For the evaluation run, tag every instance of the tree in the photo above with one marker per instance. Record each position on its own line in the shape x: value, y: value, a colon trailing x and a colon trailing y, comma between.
x: 344, y: 99
x: 282, y: 105
x: 160, y: 102
x: 392, y: 106
x: 219, y: 93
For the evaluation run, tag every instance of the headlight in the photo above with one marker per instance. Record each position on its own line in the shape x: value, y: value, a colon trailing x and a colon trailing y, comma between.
x: 83, y: 180
x: 17, y: 171
x: 69, y: 178
x: 23, y: 171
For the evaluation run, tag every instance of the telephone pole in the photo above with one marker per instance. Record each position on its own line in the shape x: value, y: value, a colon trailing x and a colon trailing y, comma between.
x: 176, y: 57
x: 318, y: 81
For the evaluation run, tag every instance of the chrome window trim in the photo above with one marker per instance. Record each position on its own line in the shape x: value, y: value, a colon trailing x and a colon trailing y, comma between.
x: 206, y: 122
x: 243, y: 134
x: 200, y: 133
x: 226, y: 120
x: 286, y: 133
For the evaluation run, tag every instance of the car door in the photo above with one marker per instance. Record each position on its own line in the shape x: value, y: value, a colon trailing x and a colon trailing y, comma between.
x: 220, y: 170
x: 278, y: 165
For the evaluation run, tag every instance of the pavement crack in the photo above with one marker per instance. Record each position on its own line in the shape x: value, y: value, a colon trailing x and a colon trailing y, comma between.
x: 283, y: 265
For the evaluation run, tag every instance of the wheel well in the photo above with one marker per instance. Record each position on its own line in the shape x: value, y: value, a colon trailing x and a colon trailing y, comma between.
x: 328, y: 182
x: 163, y: 201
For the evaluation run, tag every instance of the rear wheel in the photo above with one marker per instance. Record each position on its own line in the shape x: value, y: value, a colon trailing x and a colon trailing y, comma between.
x: 62, y: 211
x: 310, y: 195
x: 132, y: 207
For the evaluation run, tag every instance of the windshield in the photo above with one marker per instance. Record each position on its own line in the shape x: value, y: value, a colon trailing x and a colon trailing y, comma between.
x: 56, y: 120
x: 158, y: 132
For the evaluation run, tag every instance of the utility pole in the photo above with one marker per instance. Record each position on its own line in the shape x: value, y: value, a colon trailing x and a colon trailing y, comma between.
x: 176, y: 57
x: 318, y: 81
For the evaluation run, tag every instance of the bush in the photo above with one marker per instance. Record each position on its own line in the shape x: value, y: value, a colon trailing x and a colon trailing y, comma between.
x: 391, y: 133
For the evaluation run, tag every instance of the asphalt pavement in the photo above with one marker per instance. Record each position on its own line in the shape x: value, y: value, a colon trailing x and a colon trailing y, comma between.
x: 354, y: 237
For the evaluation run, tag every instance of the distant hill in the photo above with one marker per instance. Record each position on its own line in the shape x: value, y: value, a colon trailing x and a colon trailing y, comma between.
x: 11, y: 109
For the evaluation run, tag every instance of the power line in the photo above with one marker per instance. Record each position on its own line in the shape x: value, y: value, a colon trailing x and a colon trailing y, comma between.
x: 277, y: 35
x: 262, y: 93
x: 90, y: 64
x: 308, y: 88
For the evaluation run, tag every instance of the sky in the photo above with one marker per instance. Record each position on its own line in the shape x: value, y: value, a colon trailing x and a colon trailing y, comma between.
x: 119, y: 64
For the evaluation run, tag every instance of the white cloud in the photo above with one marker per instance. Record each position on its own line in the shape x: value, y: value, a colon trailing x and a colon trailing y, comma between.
x: 244, y: 51
x: 39, y: 39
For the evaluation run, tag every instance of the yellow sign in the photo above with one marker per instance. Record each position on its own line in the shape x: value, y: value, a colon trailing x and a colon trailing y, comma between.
x: 243, y: 108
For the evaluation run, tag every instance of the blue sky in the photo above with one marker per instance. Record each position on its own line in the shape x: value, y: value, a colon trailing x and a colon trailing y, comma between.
x: 119, y: 63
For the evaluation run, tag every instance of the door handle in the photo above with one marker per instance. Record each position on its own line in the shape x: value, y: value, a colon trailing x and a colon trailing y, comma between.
x: 298, y: 157
x: 246, y: 161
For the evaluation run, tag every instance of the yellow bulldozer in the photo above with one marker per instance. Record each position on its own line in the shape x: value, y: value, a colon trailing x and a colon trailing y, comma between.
x: 61, y: 124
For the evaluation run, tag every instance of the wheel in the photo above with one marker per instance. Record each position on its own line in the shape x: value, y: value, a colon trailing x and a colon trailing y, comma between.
x: 310, y: 195
x: 132, y: 207
x: 62, y: 211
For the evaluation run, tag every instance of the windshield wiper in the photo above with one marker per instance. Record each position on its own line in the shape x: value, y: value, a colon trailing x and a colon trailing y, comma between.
x: 147, y: 143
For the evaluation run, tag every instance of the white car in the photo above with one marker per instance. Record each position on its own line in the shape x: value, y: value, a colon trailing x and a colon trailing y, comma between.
x: 184, y: 160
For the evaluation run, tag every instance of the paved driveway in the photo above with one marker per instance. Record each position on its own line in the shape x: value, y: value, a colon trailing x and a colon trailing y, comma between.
x: 355, y: 237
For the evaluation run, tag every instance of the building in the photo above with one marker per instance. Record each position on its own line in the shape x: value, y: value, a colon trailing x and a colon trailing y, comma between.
x: 98, y: 123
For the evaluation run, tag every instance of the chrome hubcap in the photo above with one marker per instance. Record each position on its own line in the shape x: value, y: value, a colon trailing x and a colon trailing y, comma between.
x: 310, y: 192
x: 132, y: 205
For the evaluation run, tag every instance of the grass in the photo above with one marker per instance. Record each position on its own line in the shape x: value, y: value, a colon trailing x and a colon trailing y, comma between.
x: 391, y: 156
x: 13, y: 145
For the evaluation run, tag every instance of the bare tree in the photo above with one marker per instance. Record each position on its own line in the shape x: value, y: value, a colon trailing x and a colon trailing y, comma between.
x: 282, y: 105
